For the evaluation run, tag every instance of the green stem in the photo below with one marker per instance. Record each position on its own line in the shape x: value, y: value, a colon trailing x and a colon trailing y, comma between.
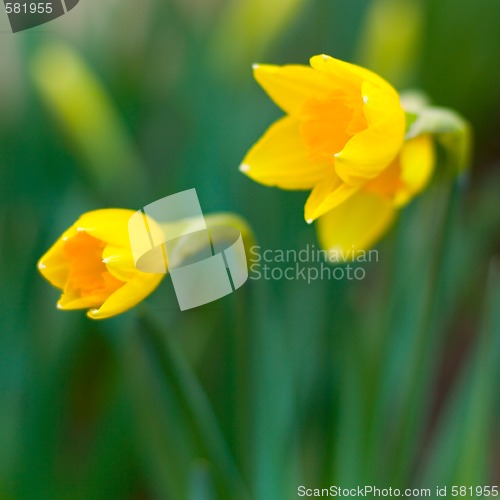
x: 422, y: 361
x: 400, y: 410
x: 196, y: 409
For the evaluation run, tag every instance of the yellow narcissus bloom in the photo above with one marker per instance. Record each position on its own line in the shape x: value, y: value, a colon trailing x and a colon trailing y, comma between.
x: 93, y: 266
x: 342, y: 138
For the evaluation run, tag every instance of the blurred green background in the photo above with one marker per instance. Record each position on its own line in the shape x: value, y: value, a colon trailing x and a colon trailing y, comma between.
x: 391, y: 381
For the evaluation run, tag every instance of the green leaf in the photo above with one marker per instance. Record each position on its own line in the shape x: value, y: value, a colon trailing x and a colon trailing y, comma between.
x: 450, y: 129
x: 462, y: 448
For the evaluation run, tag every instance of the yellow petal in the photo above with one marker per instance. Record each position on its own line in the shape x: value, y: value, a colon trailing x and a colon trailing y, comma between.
x: 53, y: 265
x: 369, y: 152
x: 326, y: 195
x: 109, y: 225
x: 417, y: 160
x: 349, y: 74
x: 280, y: 158
x: 387, y: 183
x: 69, y: 302
x: 290, y: 86
x: 127, y: 296
x: 119, y: 262
x: 355, y: 225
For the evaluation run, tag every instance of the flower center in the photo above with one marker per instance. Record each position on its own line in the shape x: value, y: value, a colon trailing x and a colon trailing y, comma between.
x: 88, y: 275
x: 327, y: 124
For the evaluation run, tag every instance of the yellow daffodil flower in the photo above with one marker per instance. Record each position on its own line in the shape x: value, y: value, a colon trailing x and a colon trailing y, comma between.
x: 344, y: 126
x: 342, y: 138
x: 92, y: 264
